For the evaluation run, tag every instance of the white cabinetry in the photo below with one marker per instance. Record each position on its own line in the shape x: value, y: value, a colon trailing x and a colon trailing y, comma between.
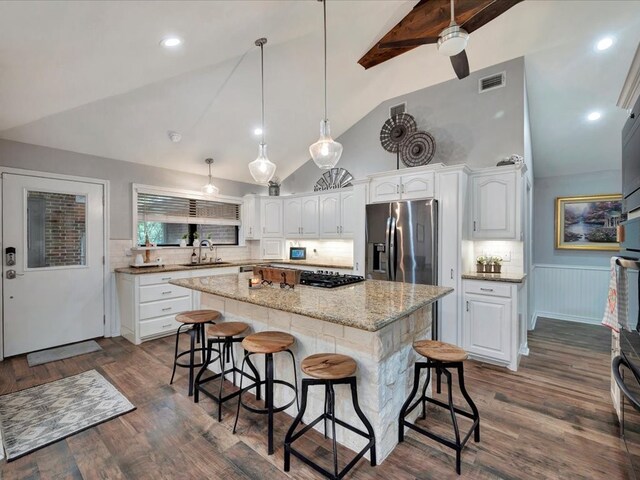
x: 271, y: 216
x: 390, y: 188
x: 491, y: 323
x: 251, y: 217
x: 495, y: 206
x: 272, y: 248
x: 337, y: 211
x: 149, y: 304
x: 301, y: 217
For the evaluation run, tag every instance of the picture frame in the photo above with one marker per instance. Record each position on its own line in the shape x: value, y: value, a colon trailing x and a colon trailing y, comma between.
x: 588, y: 222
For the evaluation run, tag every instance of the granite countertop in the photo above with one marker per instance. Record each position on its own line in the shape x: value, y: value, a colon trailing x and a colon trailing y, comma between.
x: 496, y: 277
x: 368, y: 305
x: 238, y: 263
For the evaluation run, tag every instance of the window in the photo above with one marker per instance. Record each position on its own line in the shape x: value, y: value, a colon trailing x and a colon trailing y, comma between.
x: 166, y: 220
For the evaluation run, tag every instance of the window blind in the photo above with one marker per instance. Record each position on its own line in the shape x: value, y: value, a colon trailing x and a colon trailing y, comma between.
x: 169, y: 209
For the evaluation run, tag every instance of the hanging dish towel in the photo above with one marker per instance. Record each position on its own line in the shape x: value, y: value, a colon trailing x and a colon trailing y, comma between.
x: 616, y: 314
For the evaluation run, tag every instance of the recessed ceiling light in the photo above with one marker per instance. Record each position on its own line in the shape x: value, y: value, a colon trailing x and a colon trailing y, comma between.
x: 593, y: 116
x: 257, y: 131
x: 604, y: 43
x: 171, y: 42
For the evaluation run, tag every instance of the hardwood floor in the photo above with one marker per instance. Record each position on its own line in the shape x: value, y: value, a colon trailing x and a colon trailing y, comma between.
x: 552, y: 419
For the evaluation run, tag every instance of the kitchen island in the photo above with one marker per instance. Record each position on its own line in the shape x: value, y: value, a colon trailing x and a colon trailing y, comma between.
x: 375, y: 322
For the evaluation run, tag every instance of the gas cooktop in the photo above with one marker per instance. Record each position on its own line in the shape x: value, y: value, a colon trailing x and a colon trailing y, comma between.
x: 326, y: 279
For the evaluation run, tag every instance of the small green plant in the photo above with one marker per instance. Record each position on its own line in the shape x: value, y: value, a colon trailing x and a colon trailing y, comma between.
x: 482, y: 260
x: 196, y: 235
x: 496, y: 260
x: 185, y: 236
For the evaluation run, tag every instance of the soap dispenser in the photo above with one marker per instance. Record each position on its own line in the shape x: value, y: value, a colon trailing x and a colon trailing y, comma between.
x: 194, y: 257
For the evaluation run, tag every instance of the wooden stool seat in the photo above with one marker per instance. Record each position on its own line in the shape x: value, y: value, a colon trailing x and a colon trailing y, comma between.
x: 329, y: 366
x: 439, y: 351
x: 227, y: 329
x: 198, y: 316
x: 268, y: 342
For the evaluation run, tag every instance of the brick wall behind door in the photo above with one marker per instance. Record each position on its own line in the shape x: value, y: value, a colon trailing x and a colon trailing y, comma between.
x: 64, y: 228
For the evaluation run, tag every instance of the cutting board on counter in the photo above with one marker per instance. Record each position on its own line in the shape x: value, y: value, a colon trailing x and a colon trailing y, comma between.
x: 278, y: 275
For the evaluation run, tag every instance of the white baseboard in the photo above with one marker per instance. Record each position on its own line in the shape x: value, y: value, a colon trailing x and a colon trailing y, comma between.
x: 565, y: 317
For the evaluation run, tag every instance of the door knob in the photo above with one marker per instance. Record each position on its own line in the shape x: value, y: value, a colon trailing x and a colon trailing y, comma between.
x: 11, y: 274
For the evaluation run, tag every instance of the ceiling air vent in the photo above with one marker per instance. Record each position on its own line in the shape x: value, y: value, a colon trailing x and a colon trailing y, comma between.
x: 497, y: 80
x: 396, y: 109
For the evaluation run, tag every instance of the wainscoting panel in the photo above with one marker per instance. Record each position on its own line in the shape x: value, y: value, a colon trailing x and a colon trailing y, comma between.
x: 568, y: 292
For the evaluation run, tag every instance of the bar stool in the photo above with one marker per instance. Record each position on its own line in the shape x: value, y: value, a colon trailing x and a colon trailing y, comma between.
x: 267, y: 343
x: 329, y: 369
x: 193, y: 323
x: 441, y: 357
x: 225, y: 335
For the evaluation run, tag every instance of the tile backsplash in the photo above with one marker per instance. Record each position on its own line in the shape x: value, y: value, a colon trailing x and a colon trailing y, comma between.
x: 118, y: 250
x: 339, y: 252
x: 502, y: 249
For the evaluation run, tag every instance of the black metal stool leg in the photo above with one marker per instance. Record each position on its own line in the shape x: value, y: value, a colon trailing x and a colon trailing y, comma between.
x: 456, y: 430
x: 407, y: 403
x: 222, y: 346
x: 175, y: 355
x: 294, y: 425
x: 295, y: 376
x: 424, y: 394
x: 235, y: 424
x: 256, y: 374
x: 474, y: 409
x: 192, y: 354
x: 233, y: 360
x: 332, y: 412
x: 269, y: 400
x: 438, y: 380
x: 326, y: 408
x: 364, y: 420
x: 205, y: 364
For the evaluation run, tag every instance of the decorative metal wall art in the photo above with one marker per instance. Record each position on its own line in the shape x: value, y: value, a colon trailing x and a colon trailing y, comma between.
x: 418, y: 149
x: 333, y: 178
x: 400, y: 135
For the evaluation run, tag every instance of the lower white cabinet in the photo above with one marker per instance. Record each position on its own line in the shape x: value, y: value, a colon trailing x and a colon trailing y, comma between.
x: 491, y: 323
x: 148, y: 303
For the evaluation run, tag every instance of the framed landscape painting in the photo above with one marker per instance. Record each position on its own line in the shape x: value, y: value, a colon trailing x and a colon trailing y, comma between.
x: 588, y: 222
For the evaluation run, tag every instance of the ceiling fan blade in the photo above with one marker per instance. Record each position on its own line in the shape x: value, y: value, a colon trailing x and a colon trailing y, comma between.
x: 412, y: 42
x: 426, y: 20
x: 488, y: 13
x: 460, y: 64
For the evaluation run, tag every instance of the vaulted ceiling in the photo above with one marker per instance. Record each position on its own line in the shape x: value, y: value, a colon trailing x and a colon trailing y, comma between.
x: 90, y: 77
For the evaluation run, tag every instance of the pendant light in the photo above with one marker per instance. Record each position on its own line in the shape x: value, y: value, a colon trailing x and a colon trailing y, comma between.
x: 210, y: 188
x: 326, y: 151
x: 262, y: 169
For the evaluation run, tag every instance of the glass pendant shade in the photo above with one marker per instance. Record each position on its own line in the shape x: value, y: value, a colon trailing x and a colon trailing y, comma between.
x: 210, y: 188
x: 326, y: 151
x: 262, y: 169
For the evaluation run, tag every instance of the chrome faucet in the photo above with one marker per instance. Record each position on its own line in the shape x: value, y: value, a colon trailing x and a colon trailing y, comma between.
x: 207, y: 243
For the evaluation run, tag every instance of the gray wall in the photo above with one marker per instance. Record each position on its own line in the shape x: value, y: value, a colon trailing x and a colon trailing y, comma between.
x: 120, y: 175
x: 472, y: 128
x: 545, y: 192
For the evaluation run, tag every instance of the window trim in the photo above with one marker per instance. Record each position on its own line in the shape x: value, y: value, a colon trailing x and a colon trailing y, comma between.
x: 179, y: 192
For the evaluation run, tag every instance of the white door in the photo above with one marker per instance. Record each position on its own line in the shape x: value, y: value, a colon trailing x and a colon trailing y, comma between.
x: 385, y: 189
x: 348, y: 214
x: 416, y: 186
x: 487, y: 326
x: 53, y: 295
x: 494, y: 206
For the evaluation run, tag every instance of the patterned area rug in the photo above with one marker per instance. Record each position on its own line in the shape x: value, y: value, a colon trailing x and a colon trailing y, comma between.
x: 39, y: 416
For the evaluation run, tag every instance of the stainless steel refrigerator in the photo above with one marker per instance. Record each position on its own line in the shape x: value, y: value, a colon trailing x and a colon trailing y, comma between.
x: 402, y: 241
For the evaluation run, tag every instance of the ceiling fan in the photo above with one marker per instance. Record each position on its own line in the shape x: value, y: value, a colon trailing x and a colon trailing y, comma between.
x: 427, y: 23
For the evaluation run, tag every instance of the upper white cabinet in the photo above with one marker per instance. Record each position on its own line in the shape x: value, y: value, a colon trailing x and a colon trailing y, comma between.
x: 402, y: 187
x: 301, y: 217
x: 272, y: 217
x: 495, y: 206
x: 337, y: 211
x: 251, y: 217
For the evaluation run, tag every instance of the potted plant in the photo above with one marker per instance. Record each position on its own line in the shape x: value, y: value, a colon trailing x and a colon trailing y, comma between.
x: 185, y: 239
x: 481, y: 264
x: 196, y: 236
x: 496, y: 264
x: 274, y: 187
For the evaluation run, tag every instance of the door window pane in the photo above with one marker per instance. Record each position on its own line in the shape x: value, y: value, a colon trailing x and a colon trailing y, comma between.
x: 56, y: 229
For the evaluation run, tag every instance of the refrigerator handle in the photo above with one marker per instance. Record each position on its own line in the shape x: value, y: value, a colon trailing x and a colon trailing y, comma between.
x: 387, y: 246
x: 392, y: 249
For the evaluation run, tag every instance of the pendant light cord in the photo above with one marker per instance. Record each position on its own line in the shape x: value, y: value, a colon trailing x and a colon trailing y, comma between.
x: 453, y: 17
x: 324, y: 4
x: 262, y: 84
